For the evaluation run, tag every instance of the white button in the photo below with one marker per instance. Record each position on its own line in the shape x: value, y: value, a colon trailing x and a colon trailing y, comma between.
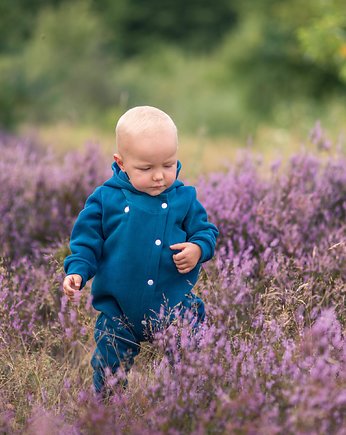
x: 164, y: 205
x: 158, y: 242
x: 150, y: 282
x: 127, y: 209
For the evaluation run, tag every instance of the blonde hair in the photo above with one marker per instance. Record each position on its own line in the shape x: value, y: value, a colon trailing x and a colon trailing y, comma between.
x: 141, y: 119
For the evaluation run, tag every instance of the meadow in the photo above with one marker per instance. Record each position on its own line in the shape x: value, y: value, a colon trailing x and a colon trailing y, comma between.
x: 271, y: 355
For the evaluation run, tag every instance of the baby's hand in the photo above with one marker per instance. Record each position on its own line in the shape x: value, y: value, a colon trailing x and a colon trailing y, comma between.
x: 71, y: 287
x: 189, y: 256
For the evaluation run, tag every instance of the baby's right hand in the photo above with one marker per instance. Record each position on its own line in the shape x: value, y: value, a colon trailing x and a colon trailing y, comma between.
x: 71, y: 287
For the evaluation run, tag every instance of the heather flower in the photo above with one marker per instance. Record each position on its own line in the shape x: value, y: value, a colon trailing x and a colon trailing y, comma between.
x: 270, y: 355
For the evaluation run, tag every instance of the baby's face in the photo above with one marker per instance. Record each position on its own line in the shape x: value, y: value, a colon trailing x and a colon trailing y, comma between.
x: 150, y: 161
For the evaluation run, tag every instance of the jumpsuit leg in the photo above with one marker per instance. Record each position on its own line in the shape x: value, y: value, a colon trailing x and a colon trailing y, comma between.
x: 115, y: 345
x: 191, y: 306
x: 195, y: 306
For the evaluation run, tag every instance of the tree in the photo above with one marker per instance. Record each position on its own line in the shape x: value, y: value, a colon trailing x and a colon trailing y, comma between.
x: 18, y: 21
x: 323, y: 37
x: 135, y: 26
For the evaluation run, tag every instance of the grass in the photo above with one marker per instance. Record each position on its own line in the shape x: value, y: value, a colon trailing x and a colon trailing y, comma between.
x: 199, y: 154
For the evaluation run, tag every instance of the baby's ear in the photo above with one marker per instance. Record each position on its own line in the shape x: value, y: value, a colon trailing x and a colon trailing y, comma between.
x: 119, y: 161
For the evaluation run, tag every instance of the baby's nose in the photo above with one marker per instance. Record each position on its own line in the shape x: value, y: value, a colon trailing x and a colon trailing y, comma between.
x: 158, y: 176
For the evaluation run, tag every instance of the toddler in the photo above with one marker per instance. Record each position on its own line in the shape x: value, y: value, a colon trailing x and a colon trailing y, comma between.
x: 143, y: 236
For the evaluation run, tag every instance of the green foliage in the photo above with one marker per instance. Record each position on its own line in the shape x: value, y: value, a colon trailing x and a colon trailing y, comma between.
x: 136, y: 26
x: 64, y: 71
x: 265, y: 57
x: 66, y: 57
x: 323, y: 38
x: 217, y: 68
x: 17, y: 21
x: 187, y: 87
x: 13, y: 95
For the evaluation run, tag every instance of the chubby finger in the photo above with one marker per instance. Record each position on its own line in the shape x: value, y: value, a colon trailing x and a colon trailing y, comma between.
x: 179, y: 260
x: 180, y: 256
x: 72, y: 282
x: 184, y: 270
x: 67, y: 287
x: 178, y: 246
x: 68, y: 290
x: 76, y: 281
x: 69, y: 293
x: 184, y: 266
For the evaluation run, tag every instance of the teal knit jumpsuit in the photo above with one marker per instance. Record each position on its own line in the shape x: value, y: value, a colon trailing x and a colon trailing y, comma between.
x: 122, y: 239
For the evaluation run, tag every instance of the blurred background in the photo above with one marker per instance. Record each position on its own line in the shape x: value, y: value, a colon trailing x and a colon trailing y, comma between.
x: 256, y: 73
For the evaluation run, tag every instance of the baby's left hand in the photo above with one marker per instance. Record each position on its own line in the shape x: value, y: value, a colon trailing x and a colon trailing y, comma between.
x: 189, y: 256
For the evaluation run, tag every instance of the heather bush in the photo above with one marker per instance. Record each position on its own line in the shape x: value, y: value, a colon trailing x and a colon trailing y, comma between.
x: 39, y: 196
x: 271, y: 355
x: 282, y: 250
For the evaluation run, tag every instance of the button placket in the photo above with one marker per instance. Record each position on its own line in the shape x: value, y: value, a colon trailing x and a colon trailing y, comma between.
x: 157, y: 242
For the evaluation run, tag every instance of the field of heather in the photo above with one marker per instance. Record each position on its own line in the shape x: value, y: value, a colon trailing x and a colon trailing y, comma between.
x: 271, y: 356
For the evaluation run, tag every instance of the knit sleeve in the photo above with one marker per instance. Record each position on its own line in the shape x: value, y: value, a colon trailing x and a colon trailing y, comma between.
x: 87, y: 239
x: 199, y: 230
